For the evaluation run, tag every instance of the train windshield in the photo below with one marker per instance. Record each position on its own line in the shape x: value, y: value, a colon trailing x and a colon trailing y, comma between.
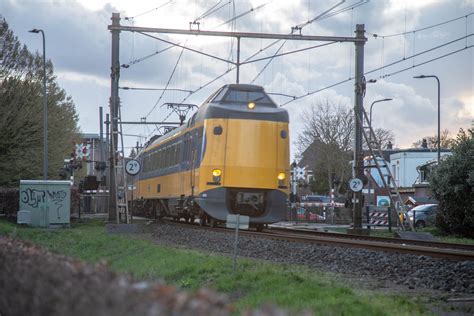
x: 242, y: 96
x: 247, y: 96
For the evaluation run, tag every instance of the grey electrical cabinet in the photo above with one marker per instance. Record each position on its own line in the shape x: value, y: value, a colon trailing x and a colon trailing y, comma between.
x: 48, y: 203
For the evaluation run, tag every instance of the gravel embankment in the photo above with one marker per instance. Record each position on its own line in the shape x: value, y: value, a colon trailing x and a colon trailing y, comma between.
x: 392, y: 269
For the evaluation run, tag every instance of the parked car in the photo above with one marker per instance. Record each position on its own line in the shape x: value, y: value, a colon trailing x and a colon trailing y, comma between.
x: 422, y: 215
x: 317, y: 198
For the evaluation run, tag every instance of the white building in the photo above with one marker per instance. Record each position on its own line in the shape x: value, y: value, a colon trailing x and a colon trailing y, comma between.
x: 403, y: 164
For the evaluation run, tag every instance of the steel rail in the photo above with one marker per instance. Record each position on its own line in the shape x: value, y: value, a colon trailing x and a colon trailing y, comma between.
x: 453, y: 254
x: 426, y: 243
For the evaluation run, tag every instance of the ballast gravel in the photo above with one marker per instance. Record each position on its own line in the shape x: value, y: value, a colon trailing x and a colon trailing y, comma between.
x: 411, y: 271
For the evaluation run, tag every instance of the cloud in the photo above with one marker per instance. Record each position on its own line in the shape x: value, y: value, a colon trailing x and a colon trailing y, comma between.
x: 78, y: 43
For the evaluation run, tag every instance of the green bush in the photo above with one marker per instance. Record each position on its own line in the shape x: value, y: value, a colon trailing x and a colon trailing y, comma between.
x: 452, y: 184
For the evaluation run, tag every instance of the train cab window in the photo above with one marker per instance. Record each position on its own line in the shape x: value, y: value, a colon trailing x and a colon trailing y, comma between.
x: 193, y: 119
x: 219, y: 95
x: 248, y: 96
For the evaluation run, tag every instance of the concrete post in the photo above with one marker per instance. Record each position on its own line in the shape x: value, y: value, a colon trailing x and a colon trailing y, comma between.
x: 358, y: 112
x: 114, y: 103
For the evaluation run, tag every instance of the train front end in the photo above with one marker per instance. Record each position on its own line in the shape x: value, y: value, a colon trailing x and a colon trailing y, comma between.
x: 245, y: 164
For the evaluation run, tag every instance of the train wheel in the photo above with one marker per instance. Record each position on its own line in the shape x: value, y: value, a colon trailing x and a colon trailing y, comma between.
x: 259, y: 227
x: 213, y: 223
x: 202, y: 220
x: 191, y: 219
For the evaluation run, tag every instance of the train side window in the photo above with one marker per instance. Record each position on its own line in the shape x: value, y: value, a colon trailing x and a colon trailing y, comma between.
x: 170, y: 156
x: 180, y: 152
x: 185, y: 148
x: 176, y: 154
x: 158, y: 159
x: 165, y: 158
x: 173, y: 155
x: 147, y: 163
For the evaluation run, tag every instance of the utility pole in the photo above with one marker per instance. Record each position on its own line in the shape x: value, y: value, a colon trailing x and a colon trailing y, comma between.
x: 101, y: 135
x: 107, y: 151
x: 359, y: 91
x: 45, y: 108
x: 114, y: 104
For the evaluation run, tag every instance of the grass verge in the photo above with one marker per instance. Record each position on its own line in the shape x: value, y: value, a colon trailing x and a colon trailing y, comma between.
x: 292, y: 287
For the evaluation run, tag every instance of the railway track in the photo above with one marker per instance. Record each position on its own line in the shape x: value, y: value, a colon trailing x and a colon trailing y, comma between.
x: 425, y: 243
x: 415, y: 247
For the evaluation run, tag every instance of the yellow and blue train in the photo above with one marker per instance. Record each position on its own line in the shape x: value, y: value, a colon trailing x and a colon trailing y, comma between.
x: 231, y: 157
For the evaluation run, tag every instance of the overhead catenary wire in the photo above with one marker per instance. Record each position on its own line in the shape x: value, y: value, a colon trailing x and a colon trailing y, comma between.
x: 148, y: 11
x: 211, y: 10
x: 166, y: 86
x: 288, y: 53
x: 421, y: 29
x: 297, y: 27
x: 155, y: 89
x: 187, y: 48
x: 240, y: 16
x: 300, y: 26
x: 133, y: 62
x: 202, y: 16
x: 391, y: 64
x: 428, y: 61
x: 419, y: 54
x: 342, y: 10
x: 246, y: 60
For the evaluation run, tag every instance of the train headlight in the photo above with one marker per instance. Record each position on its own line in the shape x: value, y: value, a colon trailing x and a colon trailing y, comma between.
x: 216, y: 175
x: 281, y: 176
x: 251, y: 105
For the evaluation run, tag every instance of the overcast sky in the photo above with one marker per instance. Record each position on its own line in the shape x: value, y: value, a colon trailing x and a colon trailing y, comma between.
x: 78, y: 43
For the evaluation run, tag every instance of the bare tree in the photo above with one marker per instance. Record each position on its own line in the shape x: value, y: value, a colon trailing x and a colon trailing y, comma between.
x: 327, y: 138
x: 384, y: 137
x: 328, y: 134
x: 446, y: 141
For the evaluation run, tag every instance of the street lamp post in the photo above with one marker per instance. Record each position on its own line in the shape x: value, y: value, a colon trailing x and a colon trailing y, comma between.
x: 370, y: 124
x: 439, y: 118
x: 45, y: 109
x: 376, y: 101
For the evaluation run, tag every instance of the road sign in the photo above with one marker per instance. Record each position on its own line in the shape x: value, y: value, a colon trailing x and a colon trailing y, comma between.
x: 241, y: 221
x: 238, y: 222
x: 133, y: 167
x: 356, y: 184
